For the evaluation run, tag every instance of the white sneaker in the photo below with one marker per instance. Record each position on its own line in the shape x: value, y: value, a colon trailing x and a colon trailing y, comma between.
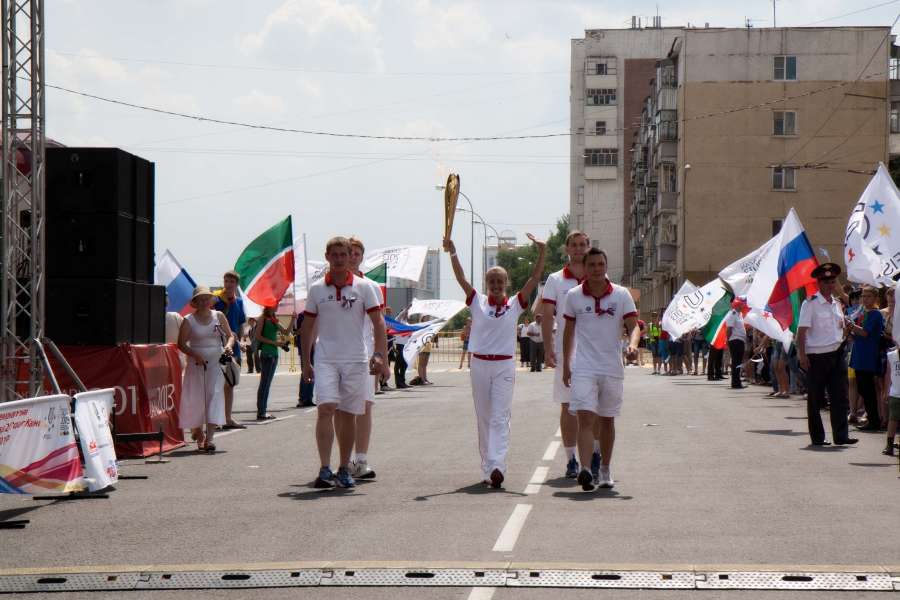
x: 606, y: 480
x: 361, y: 470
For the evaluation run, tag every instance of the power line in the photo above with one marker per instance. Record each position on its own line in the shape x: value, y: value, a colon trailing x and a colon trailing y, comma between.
x: 311, y: 71
x: 855, y: 12
x: 398, y: 138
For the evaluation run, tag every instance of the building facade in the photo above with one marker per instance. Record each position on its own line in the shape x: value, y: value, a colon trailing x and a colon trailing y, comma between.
x: 610, y: 71
x: 400, y: 293
x: 736, y: 126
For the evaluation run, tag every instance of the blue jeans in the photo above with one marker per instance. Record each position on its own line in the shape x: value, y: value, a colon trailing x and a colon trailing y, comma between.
x: 268, y: 364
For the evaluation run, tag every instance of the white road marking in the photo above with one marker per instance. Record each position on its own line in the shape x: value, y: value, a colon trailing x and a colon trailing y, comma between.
x: 510, y: 533
x: 539, y: 477
x: 550, y: 454
x: 309, y: 410
x: 558, y: 432
x: 482, y: 593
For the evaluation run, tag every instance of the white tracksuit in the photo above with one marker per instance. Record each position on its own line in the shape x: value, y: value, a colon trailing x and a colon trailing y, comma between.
x: 492, y: 343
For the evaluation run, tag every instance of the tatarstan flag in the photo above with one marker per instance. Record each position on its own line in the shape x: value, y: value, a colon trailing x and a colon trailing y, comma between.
x: 715, y: 329
x: 266, y: 266
x: 379, y: 276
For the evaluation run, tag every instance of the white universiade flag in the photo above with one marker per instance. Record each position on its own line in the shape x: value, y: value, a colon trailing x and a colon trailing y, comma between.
x: 765, y: 322
x: 872, y: 240
x: 435, y: 309
x: 403, y: 262
x: 739, y: 274
x: 692, y: 307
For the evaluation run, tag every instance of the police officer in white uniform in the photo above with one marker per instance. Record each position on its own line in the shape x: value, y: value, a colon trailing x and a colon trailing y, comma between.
x: 820, y: 338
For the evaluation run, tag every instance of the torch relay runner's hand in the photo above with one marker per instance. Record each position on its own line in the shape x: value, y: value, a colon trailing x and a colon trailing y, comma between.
x: 449, y: 246
x: 537, y: 242
x: 307, y: 373
x: 567, y: 376
x: 550, y: 358
x: 631, y: 353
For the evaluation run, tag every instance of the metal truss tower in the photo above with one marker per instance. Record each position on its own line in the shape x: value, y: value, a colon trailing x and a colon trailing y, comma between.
x: 22, y: 228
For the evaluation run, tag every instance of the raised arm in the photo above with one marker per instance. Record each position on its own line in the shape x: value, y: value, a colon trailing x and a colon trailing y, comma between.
x: 538, y: 269
x: 450, y: 248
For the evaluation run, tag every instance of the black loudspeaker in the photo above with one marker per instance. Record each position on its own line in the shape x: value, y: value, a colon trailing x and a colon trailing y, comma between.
x: 143, y: 251
x: 89, y: 311
x: 141, y: 314
x: 144, y: 189
x: 157, y: 315
x: 90, y: 181
x: 92, y: 246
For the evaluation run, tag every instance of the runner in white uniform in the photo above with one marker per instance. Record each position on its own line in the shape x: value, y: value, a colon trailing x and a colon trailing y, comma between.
x: 594, y: 312
x: 553, y: 297
x: 337, y: 307
x: 359, y: 466
x: 492, y: 343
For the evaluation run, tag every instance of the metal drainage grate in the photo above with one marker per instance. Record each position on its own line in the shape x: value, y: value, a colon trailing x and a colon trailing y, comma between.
x: 414, y: 577
x: 209, y: 580
x: 68, y: 582
x: 795, y: 581
x: 603, y: 579
x: 437, y: 577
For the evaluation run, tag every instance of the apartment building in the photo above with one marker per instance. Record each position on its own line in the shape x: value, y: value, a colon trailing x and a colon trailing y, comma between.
x: 735, y: 127
x: 610, y: 71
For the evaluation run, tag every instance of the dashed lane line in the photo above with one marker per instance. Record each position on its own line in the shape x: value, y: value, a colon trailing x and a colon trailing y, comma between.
x: 510, y: 533
x: 537, y: 480
x: 552, y: 449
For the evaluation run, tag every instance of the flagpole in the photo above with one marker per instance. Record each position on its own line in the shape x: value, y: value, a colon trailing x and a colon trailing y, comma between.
x: 305, y: 269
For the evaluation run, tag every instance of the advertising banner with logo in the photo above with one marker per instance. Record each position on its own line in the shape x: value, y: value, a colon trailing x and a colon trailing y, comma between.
x: 37, y: 447
x: 147, y: 384
x: 92, y: 412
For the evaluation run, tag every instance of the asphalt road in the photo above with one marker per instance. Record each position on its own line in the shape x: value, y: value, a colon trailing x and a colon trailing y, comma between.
x: 705, y: 475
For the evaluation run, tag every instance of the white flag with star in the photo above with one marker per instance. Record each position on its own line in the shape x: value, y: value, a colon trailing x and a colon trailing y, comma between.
x: 872, y: 241
x: 691, y: 307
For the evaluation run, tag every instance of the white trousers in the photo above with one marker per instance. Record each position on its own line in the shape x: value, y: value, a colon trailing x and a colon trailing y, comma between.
x: 492, y: 390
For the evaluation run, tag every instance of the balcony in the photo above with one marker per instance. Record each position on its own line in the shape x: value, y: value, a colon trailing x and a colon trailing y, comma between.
x: 667, y: 99
x: 667, y: 201
x: 667, y: 131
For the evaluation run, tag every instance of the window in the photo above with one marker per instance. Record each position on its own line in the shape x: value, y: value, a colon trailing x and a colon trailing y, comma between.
x: 785, y: 122
x: 783, y: 178
x: 580, y: 199
x: 601, y: 157
x: 600, y: 128
x: 895, y: 117
x: 668, y: 182
x: 776, y: 227
x: 595, y: 243
x: 596, y: 65
x: 785, y: 68
x: 600, y: 97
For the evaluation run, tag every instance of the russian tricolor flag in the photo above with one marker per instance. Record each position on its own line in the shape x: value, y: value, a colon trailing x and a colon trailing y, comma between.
x: 784, y: 278
x: 179, y: 285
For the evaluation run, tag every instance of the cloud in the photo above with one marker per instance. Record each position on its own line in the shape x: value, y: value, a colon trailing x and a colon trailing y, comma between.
x: 259, y: 103
x: 449, y: 28
x: 339, y: 35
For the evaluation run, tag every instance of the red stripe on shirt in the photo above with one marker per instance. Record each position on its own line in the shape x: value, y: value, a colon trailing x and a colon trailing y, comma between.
x: 470, y: 297
x: 313, y: 315
x: 548, y: 301
x: 522, y: 301
x: 568, y: 318
x: 631, y: 314
x: 373, y: 309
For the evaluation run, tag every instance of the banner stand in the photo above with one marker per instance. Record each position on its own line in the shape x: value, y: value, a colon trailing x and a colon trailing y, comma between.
x: 82, y: 495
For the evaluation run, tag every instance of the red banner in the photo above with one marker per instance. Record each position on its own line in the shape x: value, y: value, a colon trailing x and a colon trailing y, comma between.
x: 147, y: 380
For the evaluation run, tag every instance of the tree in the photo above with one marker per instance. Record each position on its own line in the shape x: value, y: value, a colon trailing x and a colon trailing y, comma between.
x: 520, y: 261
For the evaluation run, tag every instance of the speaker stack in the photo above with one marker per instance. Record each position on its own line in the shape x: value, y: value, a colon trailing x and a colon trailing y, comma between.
x: 100, y: 249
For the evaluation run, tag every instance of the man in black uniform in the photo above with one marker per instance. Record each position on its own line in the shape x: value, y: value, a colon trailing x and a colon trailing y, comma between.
x: 820, y: 340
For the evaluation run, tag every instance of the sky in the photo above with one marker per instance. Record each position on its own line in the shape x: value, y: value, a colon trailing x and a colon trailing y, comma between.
x: 383, y: 68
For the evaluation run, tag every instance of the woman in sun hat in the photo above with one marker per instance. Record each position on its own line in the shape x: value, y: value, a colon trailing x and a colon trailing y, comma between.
x: 204, y: 337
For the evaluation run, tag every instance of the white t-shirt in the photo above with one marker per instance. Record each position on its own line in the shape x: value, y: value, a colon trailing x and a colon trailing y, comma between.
x: 370, y: 328
x: 734, y: 320
x: 341, y: 314
x: 825, y: 321
x: 598, y: 328
x: 534, y: 333
x: 894, y: 368
x: 555, y: 290
x: 494, y: 327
